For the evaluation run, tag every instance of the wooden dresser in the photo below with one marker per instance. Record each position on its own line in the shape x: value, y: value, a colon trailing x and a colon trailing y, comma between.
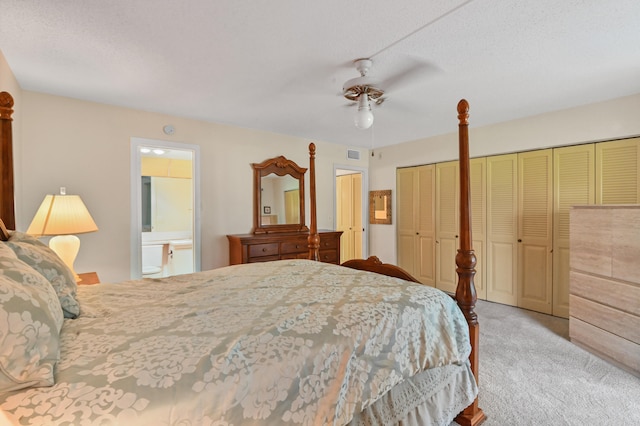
x: 604, y: 300
x: 248, y: 248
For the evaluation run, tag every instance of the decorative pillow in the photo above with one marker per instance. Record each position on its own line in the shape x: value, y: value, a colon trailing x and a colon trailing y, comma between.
x: 30, y: 322
x: 44, y: 260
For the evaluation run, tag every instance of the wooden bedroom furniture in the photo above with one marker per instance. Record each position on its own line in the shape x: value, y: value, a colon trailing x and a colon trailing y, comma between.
x: 373, y: 264
x: 7, y: 209
x: 605, y: 282
x: 466, y: 262
x: 248, y: 248
x: 465, y: 259
x: 269, y: 241
x: 282, y: 175
x: 88, y: 278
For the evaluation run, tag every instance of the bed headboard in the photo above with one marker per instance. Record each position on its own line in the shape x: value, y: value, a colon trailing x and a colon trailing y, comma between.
x: 7, y: 202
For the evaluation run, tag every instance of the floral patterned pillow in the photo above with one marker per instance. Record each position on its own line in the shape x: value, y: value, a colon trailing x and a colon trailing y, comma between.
x: 30, y: 322
x: 44, y: 260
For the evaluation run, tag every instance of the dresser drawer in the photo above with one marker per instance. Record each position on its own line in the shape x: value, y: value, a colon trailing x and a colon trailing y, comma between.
x: 329, y: 256
x: 329, y: 243
x: 257, y: 250
x: 294, y: 247
x: 248, y: 248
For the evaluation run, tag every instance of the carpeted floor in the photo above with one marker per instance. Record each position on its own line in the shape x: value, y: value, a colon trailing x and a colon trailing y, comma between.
x: 531, y: 374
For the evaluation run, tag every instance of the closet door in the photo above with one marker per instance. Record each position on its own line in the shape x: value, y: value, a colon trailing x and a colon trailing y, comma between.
x: 416, y: 222
x: 343, y: 222
x: 502, y: 228
x: 406, y: 206
x: 426, y: 225
x: 447, y: 225
x: 349, y: 220
x: 535, y: 225
x: 478, y: 175
x: 617, y: 176
x: 356, y: 217
x: 574, y: 184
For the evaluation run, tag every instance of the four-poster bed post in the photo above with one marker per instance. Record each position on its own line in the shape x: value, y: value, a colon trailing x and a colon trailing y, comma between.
x: 466, y: 262
x: 314, y: 238
x: 7, y: 209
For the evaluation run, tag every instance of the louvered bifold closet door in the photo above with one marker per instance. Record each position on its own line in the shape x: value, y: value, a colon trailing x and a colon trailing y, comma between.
x: 447, y: 228
x: 426, y: 232
x: 406, y: 206
x: 535, y: 225
x: 478, y: 177
x: 617, y: 176
x: 574, y: 184
x: 502, y: 228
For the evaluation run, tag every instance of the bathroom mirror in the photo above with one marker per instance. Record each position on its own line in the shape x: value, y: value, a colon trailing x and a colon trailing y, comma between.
x: 380, y: 207
x: 278, y: 193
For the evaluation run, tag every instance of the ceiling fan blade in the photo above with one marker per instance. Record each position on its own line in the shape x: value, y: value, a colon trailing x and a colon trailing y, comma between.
x: 416, y: 73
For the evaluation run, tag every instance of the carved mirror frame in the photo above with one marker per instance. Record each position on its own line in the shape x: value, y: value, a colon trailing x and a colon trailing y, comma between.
x: 280, y: 166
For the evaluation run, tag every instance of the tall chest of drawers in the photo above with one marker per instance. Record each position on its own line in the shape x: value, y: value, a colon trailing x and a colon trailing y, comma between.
x: 604, y: 282
x: 249, y: 248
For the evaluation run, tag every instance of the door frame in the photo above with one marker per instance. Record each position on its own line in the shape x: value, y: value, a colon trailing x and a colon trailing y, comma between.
x: 365, y: 201
x: 136, y: 200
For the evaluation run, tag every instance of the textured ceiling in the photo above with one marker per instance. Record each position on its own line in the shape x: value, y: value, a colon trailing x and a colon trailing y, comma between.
x: 280, y: 65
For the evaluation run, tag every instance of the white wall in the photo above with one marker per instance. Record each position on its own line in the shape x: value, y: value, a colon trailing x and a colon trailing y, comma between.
x: 85, y: 147
x: 614, y: 119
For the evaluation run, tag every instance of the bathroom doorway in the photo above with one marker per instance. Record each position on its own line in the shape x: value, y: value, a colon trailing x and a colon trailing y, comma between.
x: 165, y: 200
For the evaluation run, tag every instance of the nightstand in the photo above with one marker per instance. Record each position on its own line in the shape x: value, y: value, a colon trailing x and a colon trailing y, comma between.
x: 88, y: 278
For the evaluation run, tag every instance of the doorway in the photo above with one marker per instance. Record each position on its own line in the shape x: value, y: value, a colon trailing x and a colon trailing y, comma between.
x: 351, y: 214
x: 165, y: 213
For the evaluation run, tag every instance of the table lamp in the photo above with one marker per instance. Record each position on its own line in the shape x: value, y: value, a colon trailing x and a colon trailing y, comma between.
x: 62, y: 216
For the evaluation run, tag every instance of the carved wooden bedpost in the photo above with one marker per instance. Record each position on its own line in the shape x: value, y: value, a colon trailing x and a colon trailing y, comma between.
x: 314, y: 238
x: 466, y: 262
x: 7, y: 206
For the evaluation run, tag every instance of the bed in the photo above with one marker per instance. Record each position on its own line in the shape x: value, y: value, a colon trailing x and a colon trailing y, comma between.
x: 295, y: 341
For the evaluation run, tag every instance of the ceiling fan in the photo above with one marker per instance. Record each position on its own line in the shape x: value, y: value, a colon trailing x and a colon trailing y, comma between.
x: 365, y: 90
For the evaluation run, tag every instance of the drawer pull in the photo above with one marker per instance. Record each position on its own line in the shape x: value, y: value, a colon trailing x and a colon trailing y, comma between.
x: 264, y: 249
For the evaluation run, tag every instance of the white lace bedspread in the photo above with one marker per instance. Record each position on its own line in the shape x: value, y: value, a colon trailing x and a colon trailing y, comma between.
x: 286, y: 342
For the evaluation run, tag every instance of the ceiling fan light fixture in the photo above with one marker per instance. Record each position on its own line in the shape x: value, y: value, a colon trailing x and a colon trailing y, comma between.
x: 364, y: 116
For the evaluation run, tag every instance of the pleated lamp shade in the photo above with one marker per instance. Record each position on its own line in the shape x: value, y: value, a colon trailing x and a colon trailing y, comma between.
x: 63, y: 216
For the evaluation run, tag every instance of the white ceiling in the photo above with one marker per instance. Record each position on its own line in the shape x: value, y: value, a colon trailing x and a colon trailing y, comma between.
x: 280, y: 65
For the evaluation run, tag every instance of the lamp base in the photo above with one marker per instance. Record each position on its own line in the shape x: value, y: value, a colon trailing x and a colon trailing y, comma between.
x: 66, y: 247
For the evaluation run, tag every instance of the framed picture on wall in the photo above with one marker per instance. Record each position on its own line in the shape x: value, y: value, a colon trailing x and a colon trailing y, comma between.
x: 267, y: 209
x: 380, y: 207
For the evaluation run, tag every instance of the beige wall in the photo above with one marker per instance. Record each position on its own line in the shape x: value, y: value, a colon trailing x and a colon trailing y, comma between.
x: 614, y: 119
x: 8, y: 83
x: 85, y: 147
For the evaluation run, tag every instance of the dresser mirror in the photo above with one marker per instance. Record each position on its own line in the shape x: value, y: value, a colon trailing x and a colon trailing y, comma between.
x: 278, y: 194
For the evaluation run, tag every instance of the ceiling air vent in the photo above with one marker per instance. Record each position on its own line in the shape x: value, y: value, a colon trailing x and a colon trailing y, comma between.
x: 352, y: 154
